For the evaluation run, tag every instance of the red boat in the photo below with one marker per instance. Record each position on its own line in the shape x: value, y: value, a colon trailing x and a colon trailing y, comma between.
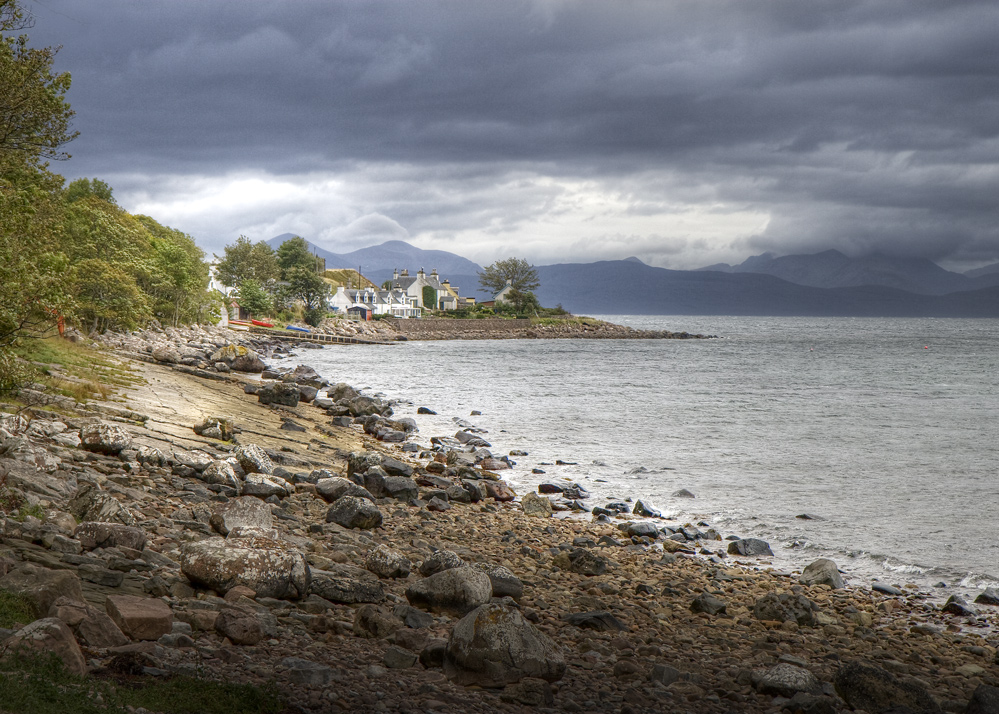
x: 260, y: 323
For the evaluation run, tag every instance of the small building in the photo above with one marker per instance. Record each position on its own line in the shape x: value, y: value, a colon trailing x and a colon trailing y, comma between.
x: 504, y: 294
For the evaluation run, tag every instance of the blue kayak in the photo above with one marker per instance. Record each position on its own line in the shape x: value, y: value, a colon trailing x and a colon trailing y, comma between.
x: 297, y: 329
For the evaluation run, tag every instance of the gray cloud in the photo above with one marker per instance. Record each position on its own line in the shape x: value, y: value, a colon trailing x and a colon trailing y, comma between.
x: 685, y: 132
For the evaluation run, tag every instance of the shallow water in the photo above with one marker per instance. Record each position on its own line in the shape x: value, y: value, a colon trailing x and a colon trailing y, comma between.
x: 884, y: 428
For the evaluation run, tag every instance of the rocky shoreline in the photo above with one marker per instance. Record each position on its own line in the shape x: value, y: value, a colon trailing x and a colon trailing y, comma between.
x: 242, y: 524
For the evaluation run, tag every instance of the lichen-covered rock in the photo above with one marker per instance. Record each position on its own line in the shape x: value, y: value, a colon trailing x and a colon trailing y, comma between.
x: 822, y: 572
x: 387, y: 563
x: 494, y: 645
x: 865, y: 686
x: 239, y: 359
x: 354, y: 512
x: 347, y: 584
x: 440, y: 561
x: 284, y: 394
x: 244, y: 512
x: 50, y: 634
x: 216, y: 427
x: 535, y: 505
x: 92, y: 534
x: 265, y: 566
x: 455, y: 591
x: 582, y: 561
x: 104, y: 438
x: 41, y: 586
x: 786, y: 680
x: 264, y: 486
x: 93, y: 504
x: 253, y: 459
x: 223, y: 473
x: 333, y: 488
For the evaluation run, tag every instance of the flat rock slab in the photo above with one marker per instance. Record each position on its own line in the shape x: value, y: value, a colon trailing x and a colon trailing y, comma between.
x: 141, y: 618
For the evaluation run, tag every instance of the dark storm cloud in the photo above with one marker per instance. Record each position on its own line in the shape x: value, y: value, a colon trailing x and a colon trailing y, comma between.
x: 860, y: 125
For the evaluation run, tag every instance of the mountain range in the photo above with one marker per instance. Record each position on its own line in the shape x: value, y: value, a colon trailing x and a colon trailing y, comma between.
x: 822, y: 284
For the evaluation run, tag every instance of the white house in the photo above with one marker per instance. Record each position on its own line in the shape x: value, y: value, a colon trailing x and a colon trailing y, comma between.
x: 446, y: 296
x: 380, y: 302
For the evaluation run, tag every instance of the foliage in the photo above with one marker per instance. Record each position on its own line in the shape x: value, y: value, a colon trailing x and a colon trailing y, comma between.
x: 108, y: 296
x: 253, y: 297
x: 177, y: 275
x: 294, y: 254
x: 429, y: 298
x: 305, y: 285
x: 516, y: 272
x: 84, y: 187
x: 15, y: 609
x: 247, y: 261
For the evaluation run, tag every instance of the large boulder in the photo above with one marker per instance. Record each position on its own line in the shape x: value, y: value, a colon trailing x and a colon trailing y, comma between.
x: 93, y: 534
x: 875, y: 690
x: 387, y: 563
x: 494, y: 645
x: 42, y: 587
x: 263, y: 565
x: 347, y: 584
x: 822, y: 572
x: 786, y: 680
x: 439, y: 561
x: 239, y: 359
x: 222, y: 473
x: 456, y: 591
x: 503, y: 581
x: 253, y: 459
x: 141, y: 618
x: 50, y: 634
x: 535, y: 505
x: 264, y: 486
x: 91, y: 626
x: 104, y: 438
x: 333, y: 488
x: 785, y: 607
x: 216, y: 427
x: 749, y: 547
x: 358, y: 462
x: 240, y: 625
x: 245, y: 512
x: 354, y: 512
x: 93, y: 504
x: 284, y: 394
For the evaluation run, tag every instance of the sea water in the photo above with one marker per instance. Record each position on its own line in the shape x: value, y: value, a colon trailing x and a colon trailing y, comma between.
x: 886, y: 431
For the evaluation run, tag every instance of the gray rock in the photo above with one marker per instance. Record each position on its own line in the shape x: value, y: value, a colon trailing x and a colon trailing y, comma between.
x: 645, y: 529
x: 104, y: 438
x: 267, y: 567
x: 875, y: 690
x: 440, y: 561
x: 196, y: 460
x: 400, y: 488
x: 244, y: 512
x: 504, y: 582
x: 749, y: 547
x: 253, y: 459
x: 42, y: 587
x: 494, y: 645
x: 92, y: 504
x: 306, y: 672
x: 957, y: 605
x: 347, y: 584
x: 394, y: 467
x: 786, y: 680
x: 598, y: 620
x: 399, y: 658
x: 535, y: 505
x: 645, y: 510
x: 373, y: 622
x: 387, y: 563
x: 822, y: 572
x: 708, y: 604
x: 216, y: 427
x: 333, y: 488
x: 109, y: 535
x: 222, y: 473
x: 582, y: 561
x: 358, y: 462
x: 354, y: 512
x: 683, y: 493
x: 455, y: 591
x: 984, y: 700
x: 240, y: 625
x: 785, y: 607
x: 280, y: 393
x: 989, y: 596
x: 264, y: 486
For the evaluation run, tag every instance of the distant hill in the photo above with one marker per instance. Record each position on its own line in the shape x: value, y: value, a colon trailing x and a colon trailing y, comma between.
x: 625, y: 287
x: 985, y: 271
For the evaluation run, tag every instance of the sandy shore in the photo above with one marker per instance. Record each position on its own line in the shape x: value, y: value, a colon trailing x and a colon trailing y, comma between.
x: 640, y: 624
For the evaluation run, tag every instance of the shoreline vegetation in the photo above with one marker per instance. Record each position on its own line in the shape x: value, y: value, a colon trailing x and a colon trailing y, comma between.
x: 208, y: 519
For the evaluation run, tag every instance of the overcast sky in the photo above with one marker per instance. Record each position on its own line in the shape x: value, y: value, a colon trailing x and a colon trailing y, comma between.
x: 684, y: 133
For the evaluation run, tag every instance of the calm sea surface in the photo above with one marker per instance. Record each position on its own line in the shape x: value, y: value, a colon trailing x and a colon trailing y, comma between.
x: 886, y: 429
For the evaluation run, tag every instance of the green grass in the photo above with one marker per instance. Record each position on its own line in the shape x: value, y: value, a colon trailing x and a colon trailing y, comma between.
x: 15, y: 609
x: 33, y: 684
x: 97, y: 372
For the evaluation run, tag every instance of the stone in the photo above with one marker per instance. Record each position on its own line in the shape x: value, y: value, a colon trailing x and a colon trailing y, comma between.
x: 400, y: 488
x: 749, y: 547
x: 92, y: 534
x: 99, y: 575
x: 49, y: 634
x: 265, y: 566
x: 105, y: 438
x: 216, y: 427
x: 399, y: 658
x: 93, y: 504
x: 822, y: 572
x: 875, y: 690
x: 786, y: 680
x: 504, y: 582
x: 664, y: 674
x: 455, y: 591
x: 438, y: 505
x: 42, y: 587
x: 347, y: 584
x: 643, y: 529
x: 306, y: 672
x: 394, y: 467
x: 253, y: 459
x: 599, y: 620
x: 140, y: 618
x: 358, y: 462
x: 354, y: 512
x: 785, y: 607
x: 280, y: 393
x: 196, y: 460
x: 387, y: 563
x: 375, y: 622
x: 493, y: 646
x: 264, y: 486
x: 683, y: 493
x: 239, y: 358
x: 91, y: 626
x: 582, y: 561
x: 536, y: 506
x: 222, y: 473
x: 240, y: 625
x: 886, y: 589
x: 332, y: 488
x: 440, y: 561
x: 708, y: 604
x: 498, y: 490
x: 956, y: 605
x: 645, y: 510
x: 989, y: 596
x: 243, y: 512
x: 150, y: 456
x: 984, y: 700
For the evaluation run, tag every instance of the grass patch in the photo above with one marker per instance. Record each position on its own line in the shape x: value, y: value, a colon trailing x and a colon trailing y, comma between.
x: 76, y: 370
x: 39, y: 684
x: 15, y: 609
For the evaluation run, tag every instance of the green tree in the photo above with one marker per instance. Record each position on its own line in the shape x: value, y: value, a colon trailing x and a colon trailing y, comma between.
x: 312, y: 290
x: 429, y: 298
x: 516, y: 272
x: 84, y: 187
x: 108, y: 296
x: 253, y: 297
x: 294, y: 253
x: 244, y: 260
x: 177, y: 279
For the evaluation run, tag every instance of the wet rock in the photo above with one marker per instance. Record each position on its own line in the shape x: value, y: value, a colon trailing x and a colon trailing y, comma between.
x: 253, y: 459
x: 822, y: 572
x: 644, y: 529
x: 347, y: 584
x: 109, y: 535
x: 48, y: 634
x: 957, y: 605
x: 240, y: 625
x: 494, y: 645
x: 455, y: 591
x: 243, y: 512
x: 582, y: 561
x: 749, y: 547
x: 280, y: 393
x: 140, y: 618
x: 104, y: 438
x: 354, y: 512
x: 786, y: 680
x: 989, y: 596
x: 536, y: 506
x: 683, y: 493
x: 440, y: 561
x: 885, y: 588
x: 645, y: 510
x: 875, y: 690
x: 387, y: 563
x: 264, y: 566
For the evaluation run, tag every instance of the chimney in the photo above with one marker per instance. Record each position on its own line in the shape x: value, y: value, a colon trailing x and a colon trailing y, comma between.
x: 421, y: 273
x: 395, y: 274
x: 405, y: 272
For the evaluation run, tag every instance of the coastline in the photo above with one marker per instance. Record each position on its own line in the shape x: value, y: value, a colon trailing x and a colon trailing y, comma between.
x: 668, y: 658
